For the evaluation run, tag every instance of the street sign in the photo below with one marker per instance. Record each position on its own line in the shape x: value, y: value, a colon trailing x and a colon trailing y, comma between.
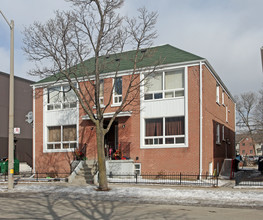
x: 16, y: 130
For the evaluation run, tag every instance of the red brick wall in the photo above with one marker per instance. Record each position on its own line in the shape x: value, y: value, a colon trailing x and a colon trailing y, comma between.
x: 246, y: 145
x: 214, y: 113
x: 129, y: 134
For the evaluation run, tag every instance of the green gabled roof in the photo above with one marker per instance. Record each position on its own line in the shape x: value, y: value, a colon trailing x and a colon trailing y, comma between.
x: 160, y: 55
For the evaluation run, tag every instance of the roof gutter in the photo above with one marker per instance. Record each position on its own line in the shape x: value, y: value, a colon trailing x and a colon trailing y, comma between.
x: 120, y: 73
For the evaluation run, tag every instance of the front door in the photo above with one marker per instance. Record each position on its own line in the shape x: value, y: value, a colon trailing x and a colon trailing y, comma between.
x: 111, y: 138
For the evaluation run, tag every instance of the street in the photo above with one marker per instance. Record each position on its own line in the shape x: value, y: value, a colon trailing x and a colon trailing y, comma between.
x: 44, y: 205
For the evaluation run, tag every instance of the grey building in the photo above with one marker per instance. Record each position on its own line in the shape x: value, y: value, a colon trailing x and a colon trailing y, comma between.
x: 22, y: 105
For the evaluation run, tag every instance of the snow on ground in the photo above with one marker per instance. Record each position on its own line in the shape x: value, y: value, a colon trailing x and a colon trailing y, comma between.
x: 224, y: 197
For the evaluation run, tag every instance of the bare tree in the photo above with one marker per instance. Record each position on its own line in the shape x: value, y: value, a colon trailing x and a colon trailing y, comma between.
x: 79, y: 45
x: 245, y: 107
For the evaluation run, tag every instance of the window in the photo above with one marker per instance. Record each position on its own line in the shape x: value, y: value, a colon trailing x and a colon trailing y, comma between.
x: 217, y: 94
x: 164, y: 131
x: 101, y: 98
x: 251, y: 151
x: 251, y: 144
x: 243, y: 144
x: 218, y: 134
x: 61, y: 137
x: 164, y: 85
x: 117, y: 94
x: 61, y: 97
x: 223, y: 98
x: 137, y: 168
x: 223, y: 132
x: 243, y: 151
x: 226, y: 114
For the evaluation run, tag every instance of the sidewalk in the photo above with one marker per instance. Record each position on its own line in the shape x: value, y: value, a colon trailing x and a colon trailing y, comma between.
x: 157, y: 194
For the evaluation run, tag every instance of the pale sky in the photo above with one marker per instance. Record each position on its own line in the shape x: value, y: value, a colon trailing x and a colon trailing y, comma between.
x: 228, y: 33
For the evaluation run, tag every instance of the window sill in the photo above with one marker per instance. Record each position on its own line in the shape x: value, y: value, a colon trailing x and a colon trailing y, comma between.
x: 218, y: 143
x: 61, y: 109
x: 59, y: 150
x: 101, y: 106
x: 164, y: 146
x: 163, y: 99
x: 116, y: 105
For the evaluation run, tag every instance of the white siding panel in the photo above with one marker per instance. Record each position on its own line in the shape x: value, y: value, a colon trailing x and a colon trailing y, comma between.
x: 163, y: 108
x: 64, y: 117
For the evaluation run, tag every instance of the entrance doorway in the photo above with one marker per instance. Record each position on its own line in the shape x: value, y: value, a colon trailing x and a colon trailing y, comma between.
x: 111, y: 138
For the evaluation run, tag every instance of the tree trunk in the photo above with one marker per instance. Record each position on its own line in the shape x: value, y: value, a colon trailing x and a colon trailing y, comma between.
x: 103, y: 183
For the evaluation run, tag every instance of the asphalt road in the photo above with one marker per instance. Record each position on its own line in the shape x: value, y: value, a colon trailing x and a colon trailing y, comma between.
x: 62, y: 206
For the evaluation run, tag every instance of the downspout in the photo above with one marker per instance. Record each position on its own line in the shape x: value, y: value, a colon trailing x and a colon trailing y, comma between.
x: 235, y: 131
x: 201, y: 122
x: 34, y: 131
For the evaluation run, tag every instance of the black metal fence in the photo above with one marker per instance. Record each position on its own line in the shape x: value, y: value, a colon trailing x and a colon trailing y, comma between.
x: 36, y: 177
x: 172, y: 179
x: 244, y: 178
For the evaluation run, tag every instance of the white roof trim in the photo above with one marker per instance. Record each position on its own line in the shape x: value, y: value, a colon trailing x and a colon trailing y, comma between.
x: 110, y: 115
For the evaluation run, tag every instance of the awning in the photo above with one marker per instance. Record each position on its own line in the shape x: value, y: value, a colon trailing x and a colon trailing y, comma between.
x: 110, y: 115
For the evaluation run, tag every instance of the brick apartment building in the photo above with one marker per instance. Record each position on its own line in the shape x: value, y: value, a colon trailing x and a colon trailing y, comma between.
x: 244, y: 145
x: 184, y: 119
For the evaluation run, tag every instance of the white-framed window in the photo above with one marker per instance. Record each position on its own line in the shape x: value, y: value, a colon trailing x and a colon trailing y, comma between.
x: 218, y: 133
x: 223, y: 132
x: 164, y: 131
x: 61, y: 97
x: 226, y: 114
x: 217, y: 94
x: 223, y: 98
x: 117, y: 92
x: 161, y: 85
x: 101, y: 97
x: 61, y: 137
x: 137, y: 168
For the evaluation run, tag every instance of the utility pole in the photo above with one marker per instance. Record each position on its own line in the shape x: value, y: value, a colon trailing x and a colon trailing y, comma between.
x: 11, y: 108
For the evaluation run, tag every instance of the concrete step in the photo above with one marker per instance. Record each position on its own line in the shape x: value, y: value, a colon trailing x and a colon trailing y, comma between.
x: 24, y: 167
x: 84, y: 174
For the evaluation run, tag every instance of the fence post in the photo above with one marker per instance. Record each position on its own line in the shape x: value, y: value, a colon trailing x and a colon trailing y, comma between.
x: 37, y: 176
x: 180, y: 178
x: 136, y: 177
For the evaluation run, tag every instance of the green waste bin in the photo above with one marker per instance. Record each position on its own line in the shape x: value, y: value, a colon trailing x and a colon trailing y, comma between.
x: 1, y: 163
x: 4, y: 166
x: 16, y: 166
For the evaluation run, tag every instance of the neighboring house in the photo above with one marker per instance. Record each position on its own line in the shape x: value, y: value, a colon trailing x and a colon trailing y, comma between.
x: 23, y: 103
x: 184, y: 122
x: 244, y: 145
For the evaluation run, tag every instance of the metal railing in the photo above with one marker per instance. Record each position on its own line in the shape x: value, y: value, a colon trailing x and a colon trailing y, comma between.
x: 36, y: 177
x: 172, y: 179
x: 244, y: 179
